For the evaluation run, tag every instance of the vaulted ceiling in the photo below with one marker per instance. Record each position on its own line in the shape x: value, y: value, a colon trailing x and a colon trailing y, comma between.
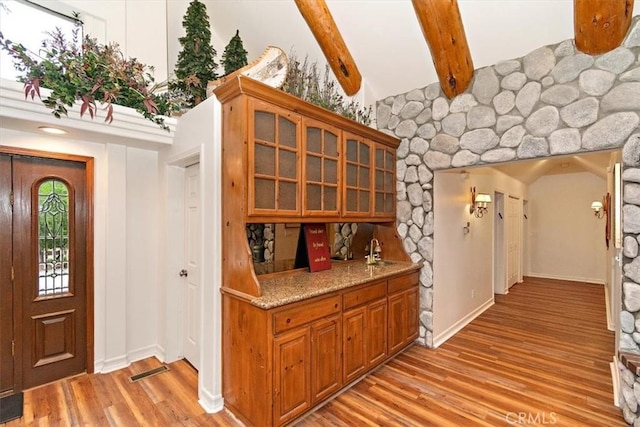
x: 386, y: 41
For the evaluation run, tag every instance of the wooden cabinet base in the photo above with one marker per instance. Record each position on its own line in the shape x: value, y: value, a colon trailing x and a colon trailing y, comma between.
x: 280, y: 363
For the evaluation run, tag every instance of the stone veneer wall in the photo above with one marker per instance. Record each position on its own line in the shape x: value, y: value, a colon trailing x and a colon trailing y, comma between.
x: 553, y: 101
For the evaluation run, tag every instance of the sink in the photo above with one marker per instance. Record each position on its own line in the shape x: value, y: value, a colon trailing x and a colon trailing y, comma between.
x: 381, y: 263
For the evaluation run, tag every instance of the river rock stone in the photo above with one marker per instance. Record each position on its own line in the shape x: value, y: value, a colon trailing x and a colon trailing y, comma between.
x: 383, y: 114
x: 630, y: 247
x: 479, y: 140
x: 631, y: 76
x: 631, y: 290
x: 401, y: 169
x: 543, y: 121
x: 596, y: 82
x: 514, y: 81
x: 398, y: 103
x: 426, y: 131
x: 532, y: 146
x: 401, y: 190
x: 498, y: 155
x: 560, y: 95
x: 527, y: 98
x: 415, y: 95
x: 414, y: 233
x: 403, y: 210
x: 411, y: 109
x: 631, y: 151
x: 610, y: 132
x: 565, y: 48
x: 539, y: 63
x: 463, y: 103
x: 625, y: 97
x: 464, y: 158
x: 615, y: 61
x: 512, y: 137
x: 568, y: 68
x: 432, y: 91
x: 424, y: 174
x: 581, y: 113
x: 564, y: 141
x: 631, y: 175
x: 411, y: 175
x: 425, y: 247
x: 481, y: 117
x: 631, y: 193
x: 394, y: 121
x: 418, y: 146
x: 439, y: 109
x: 507, y: 67
x: 454, y: 124
x: 418, y: 217
x: 423, y: 117
x: 507, y: 122
x: 436, y: 160
x: 631, y: 215
x: 406, y: 129
x: 504, y: 102
x: 485, y: 85
x: 627, y: 322
x: 445, y: 143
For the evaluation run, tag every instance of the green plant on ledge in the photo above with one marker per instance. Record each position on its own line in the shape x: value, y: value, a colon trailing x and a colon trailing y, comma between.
x: 305, y: 81
x: 90, y: 73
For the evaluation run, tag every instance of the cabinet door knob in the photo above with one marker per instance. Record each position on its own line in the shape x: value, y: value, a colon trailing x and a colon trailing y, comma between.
x: 183, y: 273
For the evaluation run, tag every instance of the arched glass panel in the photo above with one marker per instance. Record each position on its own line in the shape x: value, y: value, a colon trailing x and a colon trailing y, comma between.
x: 53, y: 238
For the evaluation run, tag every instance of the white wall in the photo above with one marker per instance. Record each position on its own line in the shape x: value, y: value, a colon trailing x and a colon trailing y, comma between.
x: 197, y: 140
x: 566, y: 241
x: 463, y: 263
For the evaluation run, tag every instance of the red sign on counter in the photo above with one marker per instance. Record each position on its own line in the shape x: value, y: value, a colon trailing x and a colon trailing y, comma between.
x: 317, y: 247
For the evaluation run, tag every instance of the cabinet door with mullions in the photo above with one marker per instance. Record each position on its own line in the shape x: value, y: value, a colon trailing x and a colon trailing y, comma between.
x: 321, y: 168
x: 385, y: 181
x: 274, y: 147
x: 357, y: 193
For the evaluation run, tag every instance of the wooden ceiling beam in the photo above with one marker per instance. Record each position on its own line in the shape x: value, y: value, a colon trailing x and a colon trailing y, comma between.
x: 324, y: 29
x: 444, y: 32
x: 600, y: 25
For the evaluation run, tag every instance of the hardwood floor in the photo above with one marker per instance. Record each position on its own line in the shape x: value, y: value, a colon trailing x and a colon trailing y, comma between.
x: 508, y: 367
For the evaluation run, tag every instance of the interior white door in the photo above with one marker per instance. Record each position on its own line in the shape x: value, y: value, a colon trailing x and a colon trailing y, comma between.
x: 513, y: 240
x: 193, y: 235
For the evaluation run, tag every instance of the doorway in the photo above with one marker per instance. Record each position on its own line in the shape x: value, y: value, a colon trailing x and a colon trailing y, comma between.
x: 46, y: 267
x: 191, y: 273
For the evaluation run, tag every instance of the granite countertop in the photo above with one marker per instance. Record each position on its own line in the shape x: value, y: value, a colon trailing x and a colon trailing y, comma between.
x: 281, y: 289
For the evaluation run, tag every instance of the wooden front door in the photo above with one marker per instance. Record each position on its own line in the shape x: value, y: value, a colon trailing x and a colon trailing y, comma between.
x: 49, y: 248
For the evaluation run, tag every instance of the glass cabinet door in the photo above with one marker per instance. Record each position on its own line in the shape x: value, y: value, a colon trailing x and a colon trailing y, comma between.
x: 384, y: 181
x: 357, y: 175
x: 321, y: 169
x: 274, y: 175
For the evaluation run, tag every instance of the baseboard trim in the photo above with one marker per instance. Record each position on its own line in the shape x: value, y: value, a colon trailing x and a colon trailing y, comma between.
x: 615, y: 379
x: 209, y: 402
x: 456, y: 327
x: 11, y: 406
x: 113, y: 364
x: 567, y: 278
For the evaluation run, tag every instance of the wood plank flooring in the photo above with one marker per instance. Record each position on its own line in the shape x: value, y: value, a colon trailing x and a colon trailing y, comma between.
x: 508, y: 367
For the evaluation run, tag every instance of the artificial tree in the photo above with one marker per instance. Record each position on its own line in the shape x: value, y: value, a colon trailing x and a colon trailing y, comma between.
x: 196, y: 64
x: 234, y: 56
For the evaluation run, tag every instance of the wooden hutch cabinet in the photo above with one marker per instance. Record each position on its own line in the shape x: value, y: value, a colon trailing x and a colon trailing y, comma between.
x: 284, y: 161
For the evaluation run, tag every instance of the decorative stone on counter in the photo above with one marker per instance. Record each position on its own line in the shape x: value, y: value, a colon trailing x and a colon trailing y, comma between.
x: 279, y: 290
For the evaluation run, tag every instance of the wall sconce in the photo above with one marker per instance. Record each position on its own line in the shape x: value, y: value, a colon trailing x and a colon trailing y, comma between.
x: 478, y: 203
x: 600, y: 209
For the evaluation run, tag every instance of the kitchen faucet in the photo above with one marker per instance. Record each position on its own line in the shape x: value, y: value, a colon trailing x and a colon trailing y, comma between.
x: 374, y: 252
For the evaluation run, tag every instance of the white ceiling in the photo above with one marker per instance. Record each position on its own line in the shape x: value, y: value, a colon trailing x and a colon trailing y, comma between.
x: 384, y: 36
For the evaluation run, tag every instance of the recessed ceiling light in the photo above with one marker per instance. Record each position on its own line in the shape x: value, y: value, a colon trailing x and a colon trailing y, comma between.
x: 52, y: 130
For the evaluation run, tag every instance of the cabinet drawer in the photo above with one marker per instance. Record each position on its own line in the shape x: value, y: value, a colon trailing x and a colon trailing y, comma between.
x: 403, y: 282
x: 363, y: 295
x: 305, y: 313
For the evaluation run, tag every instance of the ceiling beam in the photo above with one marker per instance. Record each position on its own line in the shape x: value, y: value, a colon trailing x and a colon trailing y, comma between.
x: 600, y: 25
x: 324, y: 29
x: 444, y: 32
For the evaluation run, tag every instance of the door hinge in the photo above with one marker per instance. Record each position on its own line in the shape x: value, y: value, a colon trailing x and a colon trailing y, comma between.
x: 13, y: 273
x: 11, y: 199
x: 13, y: 348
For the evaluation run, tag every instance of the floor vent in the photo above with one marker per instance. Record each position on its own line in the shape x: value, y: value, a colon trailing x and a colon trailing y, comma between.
x: 149, y: 373
x: 11, y: 407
